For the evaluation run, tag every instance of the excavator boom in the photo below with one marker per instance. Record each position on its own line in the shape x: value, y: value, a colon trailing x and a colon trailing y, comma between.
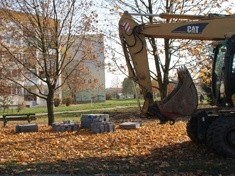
x: 195, y: 28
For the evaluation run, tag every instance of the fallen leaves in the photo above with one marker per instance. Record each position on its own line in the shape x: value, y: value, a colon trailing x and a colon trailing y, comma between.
x: 152, y: 148
x: 48, y: 146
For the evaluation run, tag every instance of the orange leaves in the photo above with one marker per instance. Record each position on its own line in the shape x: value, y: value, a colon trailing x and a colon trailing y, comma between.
x: 47, y: 146
x: 205, y: 73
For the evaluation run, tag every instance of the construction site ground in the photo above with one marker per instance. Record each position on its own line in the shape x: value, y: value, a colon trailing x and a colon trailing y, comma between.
x: 152, y: 149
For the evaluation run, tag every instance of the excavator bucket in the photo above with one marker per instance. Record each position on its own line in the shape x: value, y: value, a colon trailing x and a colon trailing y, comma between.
x: 183, y: 100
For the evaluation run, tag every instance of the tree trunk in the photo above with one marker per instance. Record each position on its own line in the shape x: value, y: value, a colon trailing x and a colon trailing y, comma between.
x: 162, y: 78
x: 74, y: 98
x: 167, y: 57
x: 167, y: 65
x: 50, y: 108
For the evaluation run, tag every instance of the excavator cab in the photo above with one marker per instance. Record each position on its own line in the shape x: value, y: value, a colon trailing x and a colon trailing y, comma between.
x: 218, y: 92
x: 223, y: 73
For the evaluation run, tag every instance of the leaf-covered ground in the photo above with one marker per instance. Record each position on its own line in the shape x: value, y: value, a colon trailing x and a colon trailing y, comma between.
x: 151, y: 149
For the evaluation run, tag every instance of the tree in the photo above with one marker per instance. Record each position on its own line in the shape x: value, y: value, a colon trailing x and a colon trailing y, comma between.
x: 77, y: 81
x: 205, y: 76
x: 5, y: 95
x: 168, y: 54
x: 36, y: 36
x: 116, y: 83
x: 127, y: 86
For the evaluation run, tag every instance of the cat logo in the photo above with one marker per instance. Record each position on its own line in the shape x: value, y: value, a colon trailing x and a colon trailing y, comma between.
x: 191, y: 29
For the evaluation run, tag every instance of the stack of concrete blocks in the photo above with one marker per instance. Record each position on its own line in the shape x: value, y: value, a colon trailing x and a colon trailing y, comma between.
x: 65, y: 126
x: 97, y: 123
x: 26, y: 128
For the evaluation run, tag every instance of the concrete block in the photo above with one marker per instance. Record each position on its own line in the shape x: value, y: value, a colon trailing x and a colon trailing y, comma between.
x: 65, y: 126
x: 130, y: 125
x: 102, y: 127
x: 88, y: 119
x: 26, y: 128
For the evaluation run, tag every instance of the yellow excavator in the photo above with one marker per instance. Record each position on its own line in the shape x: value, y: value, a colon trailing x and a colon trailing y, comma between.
x: 215, y: 126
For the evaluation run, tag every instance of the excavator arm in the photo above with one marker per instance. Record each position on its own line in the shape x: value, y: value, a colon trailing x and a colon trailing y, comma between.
x: 183, y: 99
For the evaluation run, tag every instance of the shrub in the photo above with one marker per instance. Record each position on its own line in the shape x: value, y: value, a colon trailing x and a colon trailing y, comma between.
x: 108, y: 96
x: 20, y: 106
x: 68, y: 101
x: 56, y: 102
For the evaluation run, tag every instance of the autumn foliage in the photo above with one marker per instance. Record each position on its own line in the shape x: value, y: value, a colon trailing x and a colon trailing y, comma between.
x: 206, y: 73
x: 49, y: 146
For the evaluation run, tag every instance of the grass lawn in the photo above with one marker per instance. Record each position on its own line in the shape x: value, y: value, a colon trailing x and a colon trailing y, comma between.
x: 73, y: 112
x: 87, y: 106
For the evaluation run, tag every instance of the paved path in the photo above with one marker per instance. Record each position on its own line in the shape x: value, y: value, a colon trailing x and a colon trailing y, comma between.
x: 86, y: 110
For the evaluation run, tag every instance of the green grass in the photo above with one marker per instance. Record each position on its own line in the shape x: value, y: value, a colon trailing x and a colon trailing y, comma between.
x: 73, y: 112
x: 79, y: 107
